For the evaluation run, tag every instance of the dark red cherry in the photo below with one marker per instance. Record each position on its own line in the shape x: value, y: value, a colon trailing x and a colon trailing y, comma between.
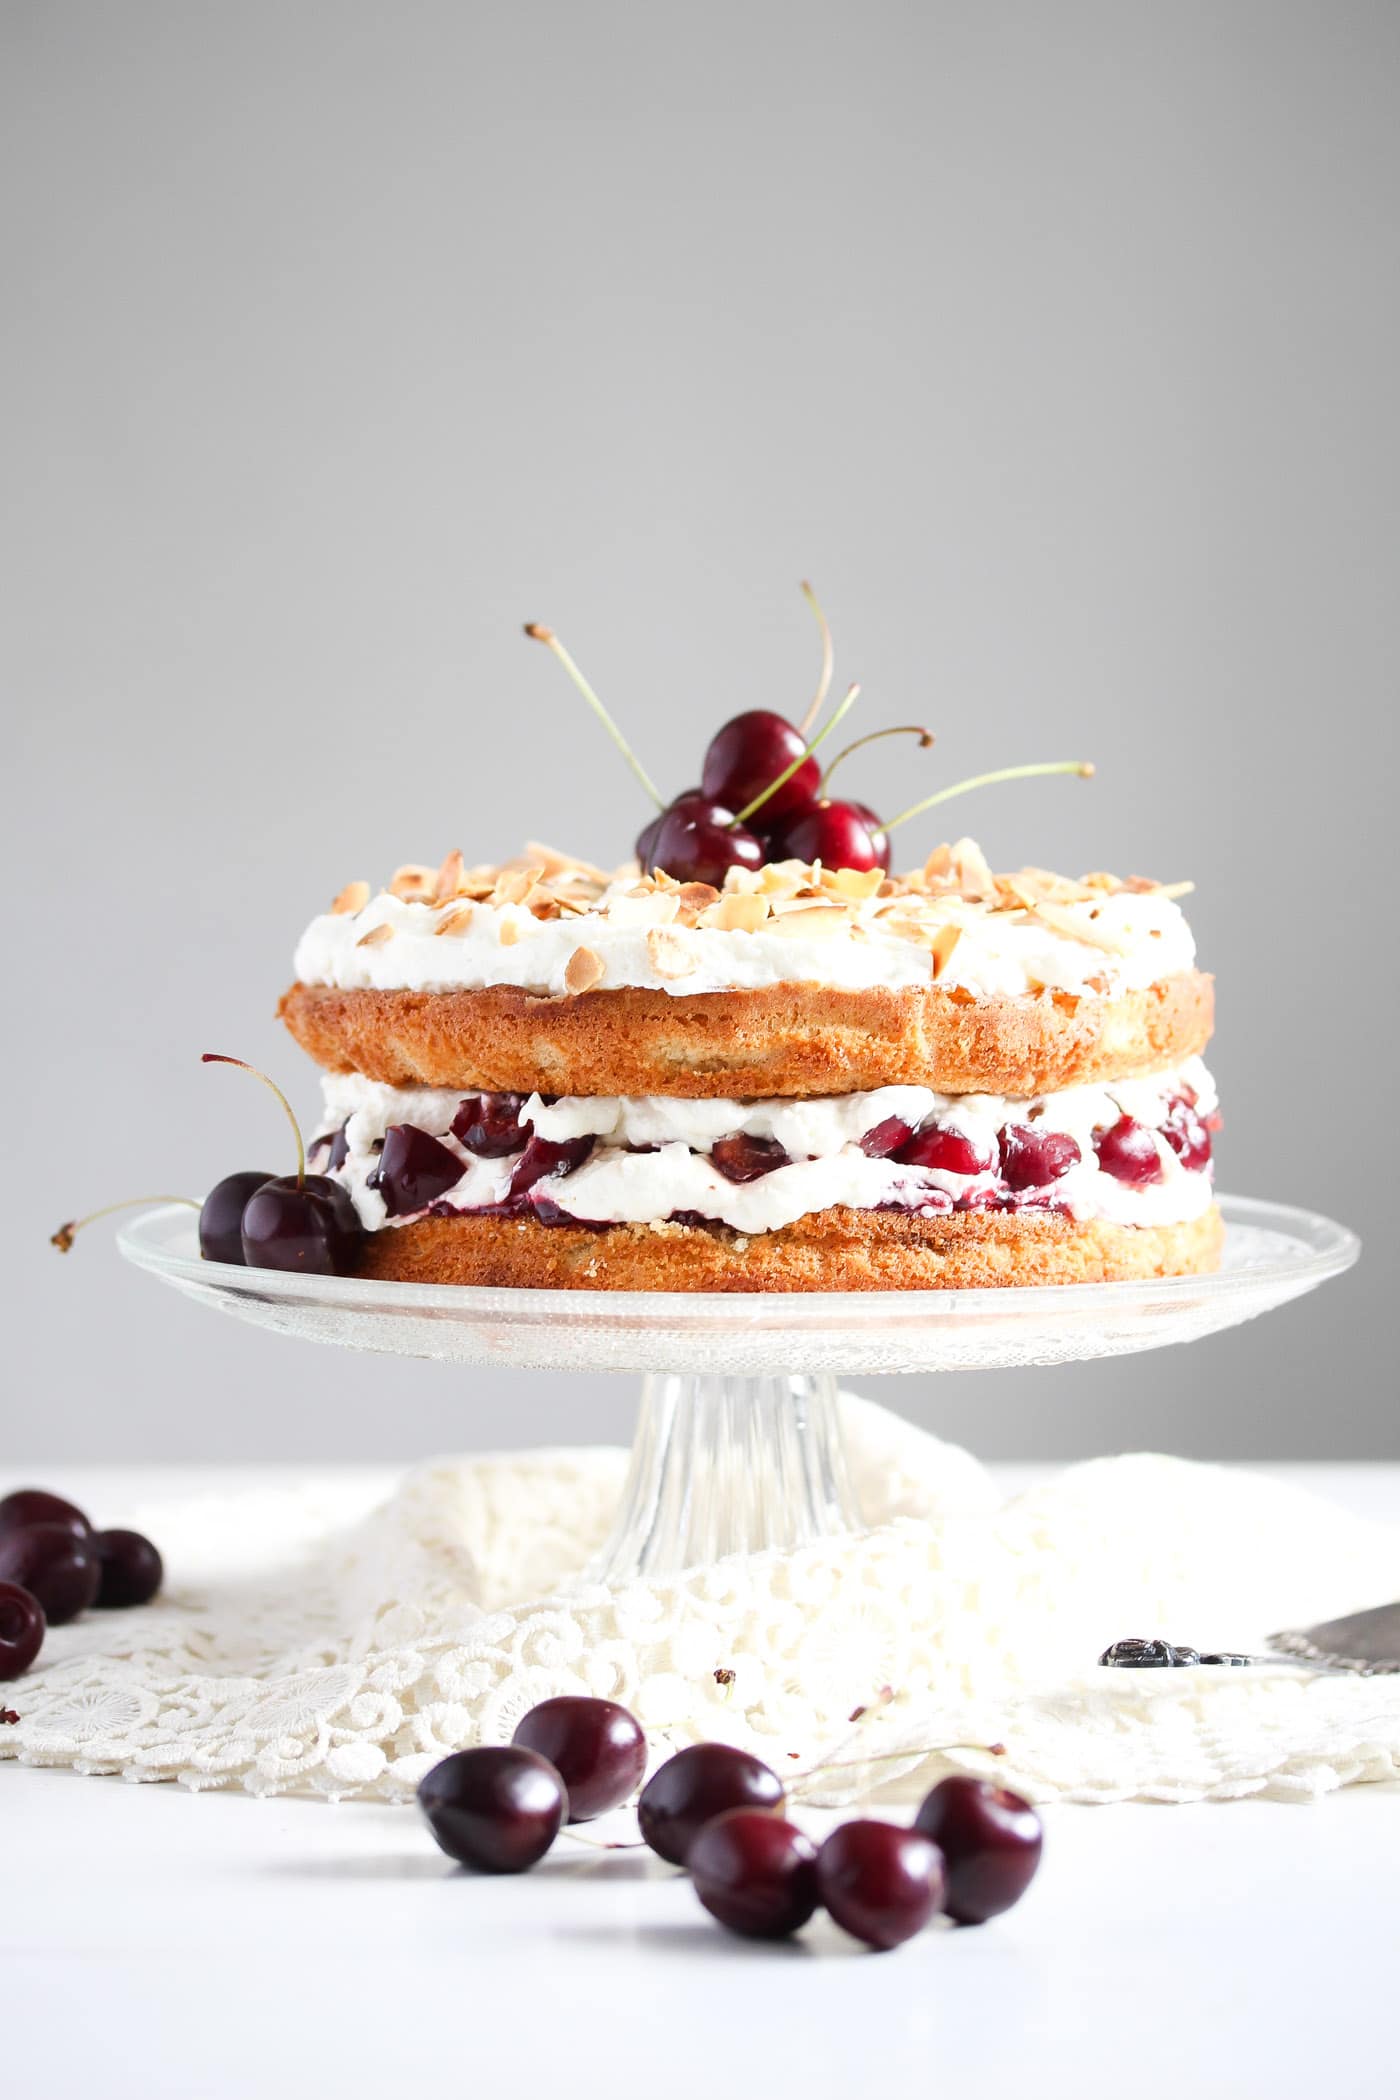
x: 132, y: 1570
x: 755, y: 1872
x: 750, y: 752
x: 694, y: 1787
x: 38, y: 1506
x: 880, y: 1883
x: 1030, y: 1158
x: 949, y: 1150
x: 688, y: 799
x: 221, y: 1218
x: 597, y: 1748
x: 990, y: 1840
x: 54, y: 1565
x: 838, y: 834
x: 700, y: 842
x: 414, y: 1170
x: 546, y: 1157
x: 311, y: 1226
x: 496, y: 1808
x: 336, y: 1146
x: 22, y: 1628
x: 489, y: 1125
x: 1128, y: 1151
x: 744, y: 1158
x: 886, y: 1138
x: 1188, y: 1134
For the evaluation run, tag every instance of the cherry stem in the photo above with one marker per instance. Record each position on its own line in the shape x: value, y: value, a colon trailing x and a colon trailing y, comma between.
x: 603, y: 1844
x: 1083, y: 767
x: 801, y: 759
x: 556, y: 648
x: 215, y: 1057
x: 925, y: 737
x: 828, y: 662
x: 886, y: 1757
x: 63, y: 1238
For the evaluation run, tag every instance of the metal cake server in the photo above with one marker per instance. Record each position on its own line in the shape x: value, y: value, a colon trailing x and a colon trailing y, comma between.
x: 1365, y: 1644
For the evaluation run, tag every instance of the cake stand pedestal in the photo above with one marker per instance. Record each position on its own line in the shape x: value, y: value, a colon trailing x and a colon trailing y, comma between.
x: 738, y: 1445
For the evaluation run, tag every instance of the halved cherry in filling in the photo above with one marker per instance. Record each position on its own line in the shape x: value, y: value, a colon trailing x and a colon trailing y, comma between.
x: 490, y: 1126
x: 543, y: 1157
x: 414, y: 1170
x: 951, y: 1151
x: 886, y: 1138
x: 1128, y: 1151
x: 1032, y: 1158
x: 744, y: 1158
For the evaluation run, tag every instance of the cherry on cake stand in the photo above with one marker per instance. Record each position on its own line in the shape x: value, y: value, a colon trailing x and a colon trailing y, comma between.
x: 738, y: 1445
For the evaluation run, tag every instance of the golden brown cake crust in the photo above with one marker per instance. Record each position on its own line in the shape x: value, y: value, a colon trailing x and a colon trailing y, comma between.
x: 792, y: 1040
x: 832, y: 1250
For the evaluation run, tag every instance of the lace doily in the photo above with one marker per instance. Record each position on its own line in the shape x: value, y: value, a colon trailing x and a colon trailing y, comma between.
x: 305, y: 1644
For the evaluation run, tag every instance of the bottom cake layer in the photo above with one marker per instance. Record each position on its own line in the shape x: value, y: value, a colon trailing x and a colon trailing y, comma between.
x: 829, y: 1250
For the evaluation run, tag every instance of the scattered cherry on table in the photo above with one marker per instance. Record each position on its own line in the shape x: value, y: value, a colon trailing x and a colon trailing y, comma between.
x: 22, y: 1629
x: 696, y: 1785
x: 596, y: 1746
x: 55, y: 1565
x: 755, y: 1872
x: 497, y: 1808
x: 880, y: 1882
x: 991, y: 1842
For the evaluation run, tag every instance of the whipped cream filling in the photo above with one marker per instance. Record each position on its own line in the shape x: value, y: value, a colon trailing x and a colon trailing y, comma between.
x: 826, y: 1165
x: 998, y: 953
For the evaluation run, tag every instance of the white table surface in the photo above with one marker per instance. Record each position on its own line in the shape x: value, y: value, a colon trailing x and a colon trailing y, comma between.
x: 215, y: 1947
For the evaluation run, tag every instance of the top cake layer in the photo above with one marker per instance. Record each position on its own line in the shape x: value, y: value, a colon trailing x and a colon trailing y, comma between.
x: 556, y: 927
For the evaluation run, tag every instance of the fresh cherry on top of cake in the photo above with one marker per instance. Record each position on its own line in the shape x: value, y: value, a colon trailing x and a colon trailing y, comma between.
x: 991, y: 1841
x: 296, y: 1221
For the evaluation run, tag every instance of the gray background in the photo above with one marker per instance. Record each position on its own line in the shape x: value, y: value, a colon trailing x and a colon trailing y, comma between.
x: 1058, y: 344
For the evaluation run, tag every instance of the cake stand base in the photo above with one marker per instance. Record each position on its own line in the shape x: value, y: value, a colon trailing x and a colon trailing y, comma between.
x: 723, y: 1465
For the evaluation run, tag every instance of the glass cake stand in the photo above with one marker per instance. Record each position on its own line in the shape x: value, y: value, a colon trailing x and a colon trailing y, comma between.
x: 738, y: 1444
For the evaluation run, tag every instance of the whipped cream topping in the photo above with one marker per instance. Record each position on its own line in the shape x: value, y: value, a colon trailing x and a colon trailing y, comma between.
x: 826, y: 1166
x: 1116, y: 941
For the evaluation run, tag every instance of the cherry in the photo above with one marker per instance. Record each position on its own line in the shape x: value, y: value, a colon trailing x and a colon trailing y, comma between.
x: 695, y: 1786
x: 745, y: 1158
x: 688, y: 802
x: 132, y: 1569
x: 1188, y: 1134
x: 881, y: 1883
x: 990, y: 1839
x: 414, y: 1170
x: 22, y: 1629
x: 597, y: 1748
x: 885, y: 1138
x: 296, y: 1221
x: 337, y: 1144
x: 1128, y: 1151
x: 838, y: 834
x: 496, y: 1808
x: 221, y: 1216
x: 949, y: 1150
x: 699, y: 841
x: 489, y: 1125
x: 751, y: 751
x: 1030, y: 1158
x: 755, y: 1872
x: 55, y: 1565
x: 547, y: 1157
x: 309, y: 1225
x: 38, y: 1506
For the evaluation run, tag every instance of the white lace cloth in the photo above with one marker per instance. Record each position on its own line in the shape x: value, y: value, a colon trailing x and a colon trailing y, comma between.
x: 304, y: 1645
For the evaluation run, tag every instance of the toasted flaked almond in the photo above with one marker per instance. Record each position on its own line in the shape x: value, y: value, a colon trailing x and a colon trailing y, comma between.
x: 1080, y: 926
x: 815, y: 921
x: 509, y: 933
x: 939, y: 864
x: 694, y: 896
x: 944, y: 942
x: 582, y: 971
x: 513, y: 885
x: 855, y: 883
x: 974, y: 875
x: 1173, y: 889
x: 354, y: 897
x: 669, y: 952
x: 551, y: 862
x: 456, y: 922
x: 413, y: 883
x: 736, y: 912
x: 376, y: 937
x: 449, y: 878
